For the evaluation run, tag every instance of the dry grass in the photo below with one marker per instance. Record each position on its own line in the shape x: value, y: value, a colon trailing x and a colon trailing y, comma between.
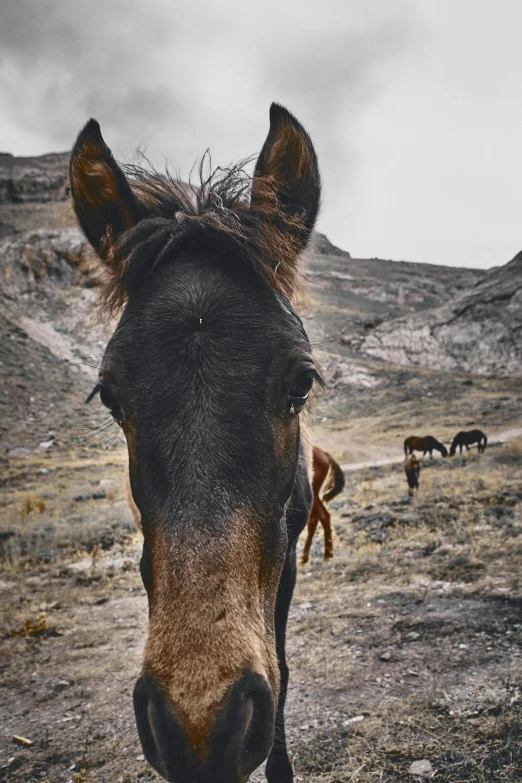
x: 31, y: 504
x: 432, y: 583
x: 439, y: 567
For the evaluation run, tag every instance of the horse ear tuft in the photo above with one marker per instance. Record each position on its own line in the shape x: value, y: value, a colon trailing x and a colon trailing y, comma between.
x: 287, y: 169
x: 103, y: 201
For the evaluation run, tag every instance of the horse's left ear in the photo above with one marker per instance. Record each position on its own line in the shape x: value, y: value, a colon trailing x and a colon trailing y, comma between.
x: 287, y: 169
x: 102, y: 197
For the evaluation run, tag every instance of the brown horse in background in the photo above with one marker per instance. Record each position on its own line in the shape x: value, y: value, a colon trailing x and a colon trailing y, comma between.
x: 412, y: 467
x: 428, y: 443
x: 327, y: 483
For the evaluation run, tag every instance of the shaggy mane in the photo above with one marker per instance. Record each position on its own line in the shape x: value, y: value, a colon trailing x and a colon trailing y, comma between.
x: 213, y: 214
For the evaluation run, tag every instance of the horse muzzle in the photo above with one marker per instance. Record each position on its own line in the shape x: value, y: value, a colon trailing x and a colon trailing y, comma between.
x: 231, y: 748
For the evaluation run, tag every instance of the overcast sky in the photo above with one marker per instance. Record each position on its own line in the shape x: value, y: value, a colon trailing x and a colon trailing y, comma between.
x: 414, y: 106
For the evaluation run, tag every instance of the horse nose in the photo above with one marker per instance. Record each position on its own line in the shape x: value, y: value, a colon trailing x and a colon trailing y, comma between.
x: 238, y: 739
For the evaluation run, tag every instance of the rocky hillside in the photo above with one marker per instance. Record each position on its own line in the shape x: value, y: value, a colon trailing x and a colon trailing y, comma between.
x: 353, y: 296
x: 50, y: 340
x: 361, y: 311
x: 477, y: 331
x: 39, y: 179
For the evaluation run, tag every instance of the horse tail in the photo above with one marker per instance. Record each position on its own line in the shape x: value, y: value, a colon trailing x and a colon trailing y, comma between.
x: 406, y: 447
x: 485, y: 439
x: 335, y: 482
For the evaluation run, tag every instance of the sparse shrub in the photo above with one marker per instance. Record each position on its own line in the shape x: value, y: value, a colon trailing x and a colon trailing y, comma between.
x: 95, y: 555
x: 515, y: 447
x: 33, y: 627
x: 31, y: 504
x: 27, y: 506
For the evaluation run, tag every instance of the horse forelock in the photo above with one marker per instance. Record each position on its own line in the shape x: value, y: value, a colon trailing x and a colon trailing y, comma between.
x: 215, y: 215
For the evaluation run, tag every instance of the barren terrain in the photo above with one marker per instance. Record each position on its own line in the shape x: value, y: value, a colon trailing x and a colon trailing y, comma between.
x: 405, y: 648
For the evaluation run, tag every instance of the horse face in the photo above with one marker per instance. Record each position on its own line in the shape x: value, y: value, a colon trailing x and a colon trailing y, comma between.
x: 206, y: 374
x: 213, y: 449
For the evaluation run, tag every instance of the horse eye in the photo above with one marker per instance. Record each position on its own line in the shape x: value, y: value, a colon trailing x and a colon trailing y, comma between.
x: 301, y: 386
x: 108, y: 400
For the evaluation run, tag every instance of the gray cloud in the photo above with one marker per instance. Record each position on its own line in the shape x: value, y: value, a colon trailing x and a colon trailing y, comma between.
x: 183, y: 65
x: 176, y: 77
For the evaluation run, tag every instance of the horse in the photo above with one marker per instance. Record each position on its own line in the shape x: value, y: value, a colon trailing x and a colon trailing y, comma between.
x: 328, y: 480
x: 466, y: 439
x: 207, y: 373
x: 412, y: 467
x: 428, y: 443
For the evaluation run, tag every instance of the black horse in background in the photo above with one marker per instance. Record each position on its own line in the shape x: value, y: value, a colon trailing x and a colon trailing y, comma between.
x: 429, y: 443
x: 467, y: 439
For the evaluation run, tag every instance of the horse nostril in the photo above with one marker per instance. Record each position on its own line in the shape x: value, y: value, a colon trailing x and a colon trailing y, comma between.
x: 144, y: 695
x: 245, y: 727
x: 259, y: 733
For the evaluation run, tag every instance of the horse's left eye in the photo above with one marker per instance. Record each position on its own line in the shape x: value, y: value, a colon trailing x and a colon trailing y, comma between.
x: 300, y: 387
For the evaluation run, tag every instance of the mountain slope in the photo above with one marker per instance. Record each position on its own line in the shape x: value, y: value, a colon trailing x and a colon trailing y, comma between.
x: 478, y: 331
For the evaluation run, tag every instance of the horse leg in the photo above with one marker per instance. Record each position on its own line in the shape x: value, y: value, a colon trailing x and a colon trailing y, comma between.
x: 327, y: 527
x: 278, y: 766
x: 312, y: 526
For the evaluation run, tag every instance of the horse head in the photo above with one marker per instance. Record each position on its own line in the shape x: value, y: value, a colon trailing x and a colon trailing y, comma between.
x: 206, y: 373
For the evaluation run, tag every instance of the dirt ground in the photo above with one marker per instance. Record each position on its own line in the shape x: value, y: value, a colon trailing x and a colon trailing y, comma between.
x: 406, y: 646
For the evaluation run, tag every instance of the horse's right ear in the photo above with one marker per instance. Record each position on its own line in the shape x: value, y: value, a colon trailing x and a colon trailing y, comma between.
x: 102, y: 197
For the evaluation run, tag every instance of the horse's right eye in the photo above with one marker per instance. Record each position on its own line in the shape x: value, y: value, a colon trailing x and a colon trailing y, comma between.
x: 107, y: 398
x: 109, y: 401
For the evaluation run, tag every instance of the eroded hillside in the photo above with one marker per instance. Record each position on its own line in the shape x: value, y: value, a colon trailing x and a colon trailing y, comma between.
x: 367, y: 318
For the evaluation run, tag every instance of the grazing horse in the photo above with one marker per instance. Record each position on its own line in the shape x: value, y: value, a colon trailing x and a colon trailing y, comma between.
x: 328, y: 480
x: 429, y: 443
x: 466, y: 439
x: 412, y: 467
x: 207, y: 373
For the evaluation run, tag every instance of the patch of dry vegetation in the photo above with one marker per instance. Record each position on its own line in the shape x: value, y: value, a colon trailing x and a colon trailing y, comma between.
x: 406, y: 646
x: 416, y: 627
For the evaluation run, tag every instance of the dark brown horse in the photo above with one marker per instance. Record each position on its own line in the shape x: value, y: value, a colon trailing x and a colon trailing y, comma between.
x: 412, y: 467
x: 467, y: 439
x: 426, y: 444
x: 327, y: 483
x: 207, y: 373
